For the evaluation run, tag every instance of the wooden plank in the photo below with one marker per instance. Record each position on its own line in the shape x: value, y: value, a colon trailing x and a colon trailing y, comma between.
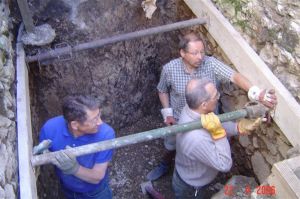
x: 27, y: 180
x: 284, y: 179
x: 247, y: 62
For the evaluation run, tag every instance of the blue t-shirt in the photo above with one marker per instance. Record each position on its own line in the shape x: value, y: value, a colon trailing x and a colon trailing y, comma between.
x: 56, y: 129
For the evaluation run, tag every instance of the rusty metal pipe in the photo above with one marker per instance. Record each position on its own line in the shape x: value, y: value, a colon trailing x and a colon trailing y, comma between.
x: 259, y: 110
x: 123, y: 37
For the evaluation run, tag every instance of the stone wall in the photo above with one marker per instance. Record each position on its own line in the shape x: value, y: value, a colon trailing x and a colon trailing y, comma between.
x: 8, y: 163
x: 272, y: 28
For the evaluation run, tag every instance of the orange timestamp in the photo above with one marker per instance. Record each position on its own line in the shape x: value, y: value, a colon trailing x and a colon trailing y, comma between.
x: 265, y: 190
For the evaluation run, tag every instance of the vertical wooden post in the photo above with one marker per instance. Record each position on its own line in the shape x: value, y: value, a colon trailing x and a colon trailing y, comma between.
x: 26, y: 15
x: 27, y: 180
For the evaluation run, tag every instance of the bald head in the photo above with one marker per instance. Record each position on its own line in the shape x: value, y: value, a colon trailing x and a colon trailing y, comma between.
x: 196, y: 92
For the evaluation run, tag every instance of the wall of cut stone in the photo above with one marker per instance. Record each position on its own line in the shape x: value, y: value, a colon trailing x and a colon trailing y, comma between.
x: 272, y: 28
x: 8, y: 157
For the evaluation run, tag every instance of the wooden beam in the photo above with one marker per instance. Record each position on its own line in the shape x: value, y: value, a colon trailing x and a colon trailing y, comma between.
x: 247, y: 62
x: 284, y: 179
x: 27, y: 181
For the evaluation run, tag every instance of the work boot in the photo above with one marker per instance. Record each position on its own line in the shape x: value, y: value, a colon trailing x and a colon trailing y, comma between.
x: 158, y: 171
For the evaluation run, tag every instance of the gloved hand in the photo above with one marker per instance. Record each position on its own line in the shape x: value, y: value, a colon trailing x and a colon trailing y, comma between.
x: 245, y: 126
x: 213, y: 125
x: 42, y: 147
x: 66, y: 162
x: 167, y: 114
x: 266, y: 97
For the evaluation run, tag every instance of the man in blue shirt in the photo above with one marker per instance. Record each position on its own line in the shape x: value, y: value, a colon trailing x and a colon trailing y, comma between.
x: 84, y: 176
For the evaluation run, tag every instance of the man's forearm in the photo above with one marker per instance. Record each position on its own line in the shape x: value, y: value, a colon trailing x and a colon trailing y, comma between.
x: 241, y: 81
x: 94, y: 175
x: 164, y: 99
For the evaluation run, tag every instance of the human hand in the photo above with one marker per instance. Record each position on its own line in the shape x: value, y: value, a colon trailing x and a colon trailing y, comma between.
x: 66, y: 162
x: 246, y: 126
x: 167, y: 114
x: 213, y: 125
x: 42, y: 147
x: 268, y: 98
x: 170, y: 120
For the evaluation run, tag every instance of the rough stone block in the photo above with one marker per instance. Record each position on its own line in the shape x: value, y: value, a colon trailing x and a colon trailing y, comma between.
x: 244, y: 141
x: 260, y: 167
x: 271, y: 146
x: 283, y: 147
x: 9, y: 192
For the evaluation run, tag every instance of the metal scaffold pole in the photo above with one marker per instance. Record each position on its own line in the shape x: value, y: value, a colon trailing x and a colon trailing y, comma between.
x: 123, y: 37
x: 253, y: 111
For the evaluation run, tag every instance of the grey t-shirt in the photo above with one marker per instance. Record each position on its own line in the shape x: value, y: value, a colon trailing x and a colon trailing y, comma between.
x: 199, y: 158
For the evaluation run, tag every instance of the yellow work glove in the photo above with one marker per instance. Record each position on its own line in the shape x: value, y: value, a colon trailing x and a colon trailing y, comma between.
x: 245, y: 126
x: 213, y: 125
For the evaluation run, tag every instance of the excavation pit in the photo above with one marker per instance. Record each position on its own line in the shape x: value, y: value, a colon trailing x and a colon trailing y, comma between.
x: 122, y: 76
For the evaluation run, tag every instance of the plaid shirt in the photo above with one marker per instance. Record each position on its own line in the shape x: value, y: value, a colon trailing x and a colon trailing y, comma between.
x: 174, y: 78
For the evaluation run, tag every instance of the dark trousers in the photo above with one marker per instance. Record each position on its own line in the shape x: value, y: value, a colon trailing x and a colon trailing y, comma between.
x: 183, y: 190
x: 102, y: 192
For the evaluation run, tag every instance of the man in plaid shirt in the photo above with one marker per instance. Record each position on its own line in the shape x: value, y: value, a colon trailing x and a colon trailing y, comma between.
x: 193, y: 63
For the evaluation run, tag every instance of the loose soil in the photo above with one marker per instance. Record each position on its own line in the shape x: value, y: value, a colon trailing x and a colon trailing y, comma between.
x: 131, y: 164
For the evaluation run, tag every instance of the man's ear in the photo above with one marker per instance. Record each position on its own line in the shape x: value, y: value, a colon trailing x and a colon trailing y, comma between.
x: 182, y: 53
x: 204, y: 105
x: 74, y: 125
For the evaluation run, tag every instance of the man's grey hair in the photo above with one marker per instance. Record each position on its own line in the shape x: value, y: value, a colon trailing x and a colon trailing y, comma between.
x: 195, y: 92
x: 187, y: 38
x: 75, y: 107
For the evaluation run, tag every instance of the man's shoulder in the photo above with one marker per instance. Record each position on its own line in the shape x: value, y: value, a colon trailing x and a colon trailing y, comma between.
x: 173, y: 64
x: 57, y: 121
x: 195, y: 138
x: 106, y: 131
x: 209, y: 60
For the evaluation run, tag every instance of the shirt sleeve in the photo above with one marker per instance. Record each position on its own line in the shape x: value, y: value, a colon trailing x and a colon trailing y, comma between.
x: 214, y: 153
x: 163, y: 82
x: 106, y: 156
x: 45, y: 135
x: 42, y: 135
x: 223, y: 72
x: 230, y: 128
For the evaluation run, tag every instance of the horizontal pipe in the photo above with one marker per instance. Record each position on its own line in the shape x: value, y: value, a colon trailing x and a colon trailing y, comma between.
x: 135, y: 138
x: 123, y: 37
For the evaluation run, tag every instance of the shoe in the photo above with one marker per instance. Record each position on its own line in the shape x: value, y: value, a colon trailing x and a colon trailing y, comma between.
x: 158, y: 171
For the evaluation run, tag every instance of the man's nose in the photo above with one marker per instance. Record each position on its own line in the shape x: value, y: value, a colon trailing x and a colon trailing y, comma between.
x: 99, y: 121
x: 200, y: 56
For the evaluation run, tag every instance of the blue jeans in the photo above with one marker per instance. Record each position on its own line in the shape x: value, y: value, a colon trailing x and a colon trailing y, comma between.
x: 184, y: 191
x: 102, y: 192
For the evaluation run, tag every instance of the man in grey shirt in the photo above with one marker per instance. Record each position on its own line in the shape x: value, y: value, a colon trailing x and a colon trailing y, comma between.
x: 202, y: 153
x: 193, y: 63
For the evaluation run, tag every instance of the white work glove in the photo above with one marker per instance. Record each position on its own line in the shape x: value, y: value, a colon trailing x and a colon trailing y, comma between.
x: 42, y: 147
x: 264, y: 96
x: 167, y: 114
x: 66, y: 162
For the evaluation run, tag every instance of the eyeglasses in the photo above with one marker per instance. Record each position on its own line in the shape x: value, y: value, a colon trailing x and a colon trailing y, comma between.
x: 202, y: 53
x: 95, y: 119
